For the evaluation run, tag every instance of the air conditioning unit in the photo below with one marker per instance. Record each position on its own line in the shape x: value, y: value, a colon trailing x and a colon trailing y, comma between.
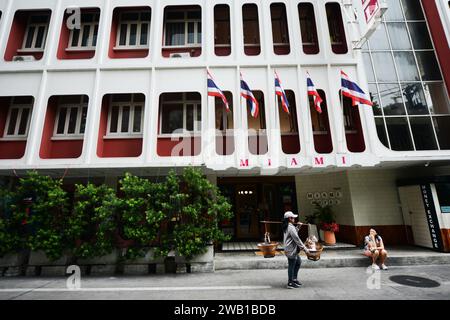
x: 24, y: 58
x: 180, y: 55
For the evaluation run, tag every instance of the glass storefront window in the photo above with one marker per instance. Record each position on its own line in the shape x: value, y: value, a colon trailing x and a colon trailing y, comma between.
x: 442, y: 127
x: 384, y: 66
x: 406, y: 66
x: 414, y: 98
x: 428, y: 65
x: 381, y: 130
x: 413, y: 10
x: 398, y: 35
x: 395, y: 11
x: 399, y: 134
x: 419, y: 35
x: 369, y: 69
x: 375, y: 99
x: 379, y: 40
x: 422, y: 130
x: 437, y: 100
x: 391, y: 99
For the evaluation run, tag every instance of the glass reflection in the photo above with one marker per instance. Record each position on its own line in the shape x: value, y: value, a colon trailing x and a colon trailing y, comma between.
x: 414, y: 98
x: 391, y: 99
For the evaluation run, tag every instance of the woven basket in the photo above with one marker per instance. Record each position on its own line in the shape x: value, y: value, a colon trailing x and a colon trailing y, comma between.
x: 315, y: 255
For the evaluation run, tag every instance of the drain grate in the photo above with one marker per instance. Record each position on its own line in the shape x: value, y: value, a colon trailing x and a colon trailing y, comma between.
x: 413, y: 281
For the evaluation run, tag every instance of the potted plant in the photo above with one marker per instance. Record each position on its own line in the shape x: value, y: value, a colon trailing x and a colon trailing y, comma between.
x: 327, y: 222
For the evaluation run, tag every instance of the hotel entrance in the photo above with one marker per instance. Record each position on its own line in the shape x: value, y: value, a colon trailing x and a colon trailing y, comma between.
x: 255, y: 200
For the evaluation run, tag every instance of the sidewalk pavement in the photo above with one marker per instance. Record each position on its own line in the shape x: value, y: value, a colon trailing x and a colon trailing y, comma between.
x: 397, y: 256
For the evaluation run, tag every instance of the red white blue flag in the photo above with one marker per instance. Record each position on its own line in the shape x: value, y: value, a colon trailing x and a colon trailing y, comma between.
x: 313, y: 93
x: 214, y: 91
x: 279, y: 91
x: 247, y: 94
x: 351, y: 90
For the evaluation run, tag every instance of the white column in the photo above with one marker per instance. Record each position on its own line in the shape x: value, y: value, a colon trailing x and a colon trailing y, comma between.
x: 37, y: 122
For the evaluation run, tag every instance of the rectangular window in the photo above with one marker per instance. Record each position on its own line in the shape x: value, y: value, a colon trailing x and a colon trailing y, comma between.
x: 252, y: 45
x: 133, y: 29
x: 36, y: 33
x: 18, y: 121
x: 222, y: 32
x: 180, y: 113
x: 308, y: 28
x: 280, y: 33
x: 85, y: 38
x: 71, y: 119
x: 126, y: 115
x: 183, y: 28
x: 336, y: 28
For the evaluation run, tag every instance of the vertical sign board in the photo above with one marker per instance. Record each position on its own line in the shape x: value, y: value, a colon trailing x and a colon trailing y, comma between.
x: 432, y: 220
x: 369, y: 13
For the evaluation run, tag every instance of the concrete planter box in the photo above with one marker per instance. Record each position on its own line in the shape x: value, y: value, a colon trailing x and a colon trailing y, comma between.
x: 110, y: 259
x: 149, y: 258
x: 39, y: 258
x: 206, y: 257
x: 14, y: 259
x: 13, y: 264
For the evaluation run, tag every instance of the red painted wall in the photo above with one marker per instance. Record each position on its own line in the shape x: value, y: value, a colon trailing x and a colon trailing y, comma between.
x: 57, y: 149
x: 9, y: 149
x: 282, y: 49
x: 64, y: 42
x: 114, y: 148
x: 123, y: 54
x: 222, y: 51
x: 439, y: 39
x: 17, y: 34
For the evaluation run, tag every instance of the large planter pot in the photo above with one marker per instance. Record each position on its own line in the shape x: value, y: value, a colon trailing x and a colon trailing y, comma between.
x: 329, y: 238
x: 268, y: 249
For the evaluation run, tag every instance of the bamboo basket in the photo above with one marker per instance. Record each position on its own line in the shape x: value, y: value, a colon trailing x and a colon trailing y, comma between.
x: 315, y: 255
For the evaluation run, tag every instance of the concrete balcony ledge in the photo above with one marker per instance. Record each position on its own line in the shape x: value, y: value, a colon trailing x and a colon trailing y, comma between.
x: 398, y: 256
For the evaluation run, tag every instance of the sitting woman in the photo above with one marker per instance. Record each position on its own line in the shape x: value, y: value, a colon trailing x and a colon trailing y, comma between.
x: 374, y: 248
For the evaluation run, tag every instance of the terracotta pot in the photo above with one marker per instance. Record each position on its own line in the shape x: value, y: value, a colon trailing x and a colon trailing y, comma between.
x: 329, y: 238
x: 268, y: 249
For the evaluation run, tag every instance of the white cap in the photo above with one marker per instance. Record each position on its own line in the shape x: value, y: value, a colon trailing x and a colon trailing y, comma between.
x: 289, y: 214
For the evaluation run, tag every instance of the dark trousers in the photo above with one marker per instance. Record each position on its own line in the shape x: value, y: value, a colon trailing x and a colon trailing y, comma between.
x: 294, y: 264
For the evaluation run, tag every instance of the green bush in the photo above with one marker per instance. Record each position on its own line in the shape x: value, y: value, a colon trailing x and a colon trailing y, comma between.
x: 12, y: 231
x: 196, y: 208
x: 93, y: 224
x: 41, y: 203
x: 140, y: 213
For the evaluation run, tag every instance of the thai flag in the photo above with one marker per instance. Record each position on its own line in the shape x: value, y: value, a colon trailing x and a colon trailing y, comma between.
x: 313, y: 92
x: 214, y: 91
x: 247, y: 94
x: 279, y: 91
x: 351, y: 90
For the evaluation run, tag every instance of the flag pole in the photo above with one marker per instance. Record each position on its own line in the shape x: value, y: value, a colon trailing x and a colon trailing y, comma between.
x: 343, y: 111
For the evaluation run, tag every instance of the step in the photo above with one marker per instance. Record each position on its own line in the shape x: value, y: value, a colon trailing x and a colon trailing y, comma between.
x: 329, y: 259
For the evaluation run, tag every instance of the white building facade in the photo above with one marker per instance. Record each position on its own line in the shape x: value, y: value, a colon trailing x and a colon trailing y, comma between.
x: 93, y: 89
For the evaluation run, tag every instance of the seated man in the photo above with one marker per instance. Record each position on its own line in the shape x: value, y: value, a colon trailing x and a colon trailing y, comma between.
x: 374, y: 248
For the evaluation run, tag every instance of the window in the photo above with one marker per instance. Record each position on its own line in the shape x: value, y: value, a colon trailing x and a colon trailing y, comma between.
x: 36, y: 33
x: 280, y: 33
x: 222, y: 32
x: 251, y: 30
x: 308, y: 28
x: 18, y: 120
x: 183, y: 27
x: 134, y: 30
x: 71, y: 117
x: 85, y: 38
x: 126, y: 115
x: 224, y: 119
x: 336, y: 28
x: 412, y: 105
x: 180, y: 113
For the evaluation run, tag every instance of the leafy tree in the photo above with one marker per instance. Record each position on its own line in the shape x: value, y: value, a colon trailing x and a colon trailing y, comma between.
x: 41, y: 204
x: 140, y: 214
x: 93, y: 224
x: 12, y: 231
